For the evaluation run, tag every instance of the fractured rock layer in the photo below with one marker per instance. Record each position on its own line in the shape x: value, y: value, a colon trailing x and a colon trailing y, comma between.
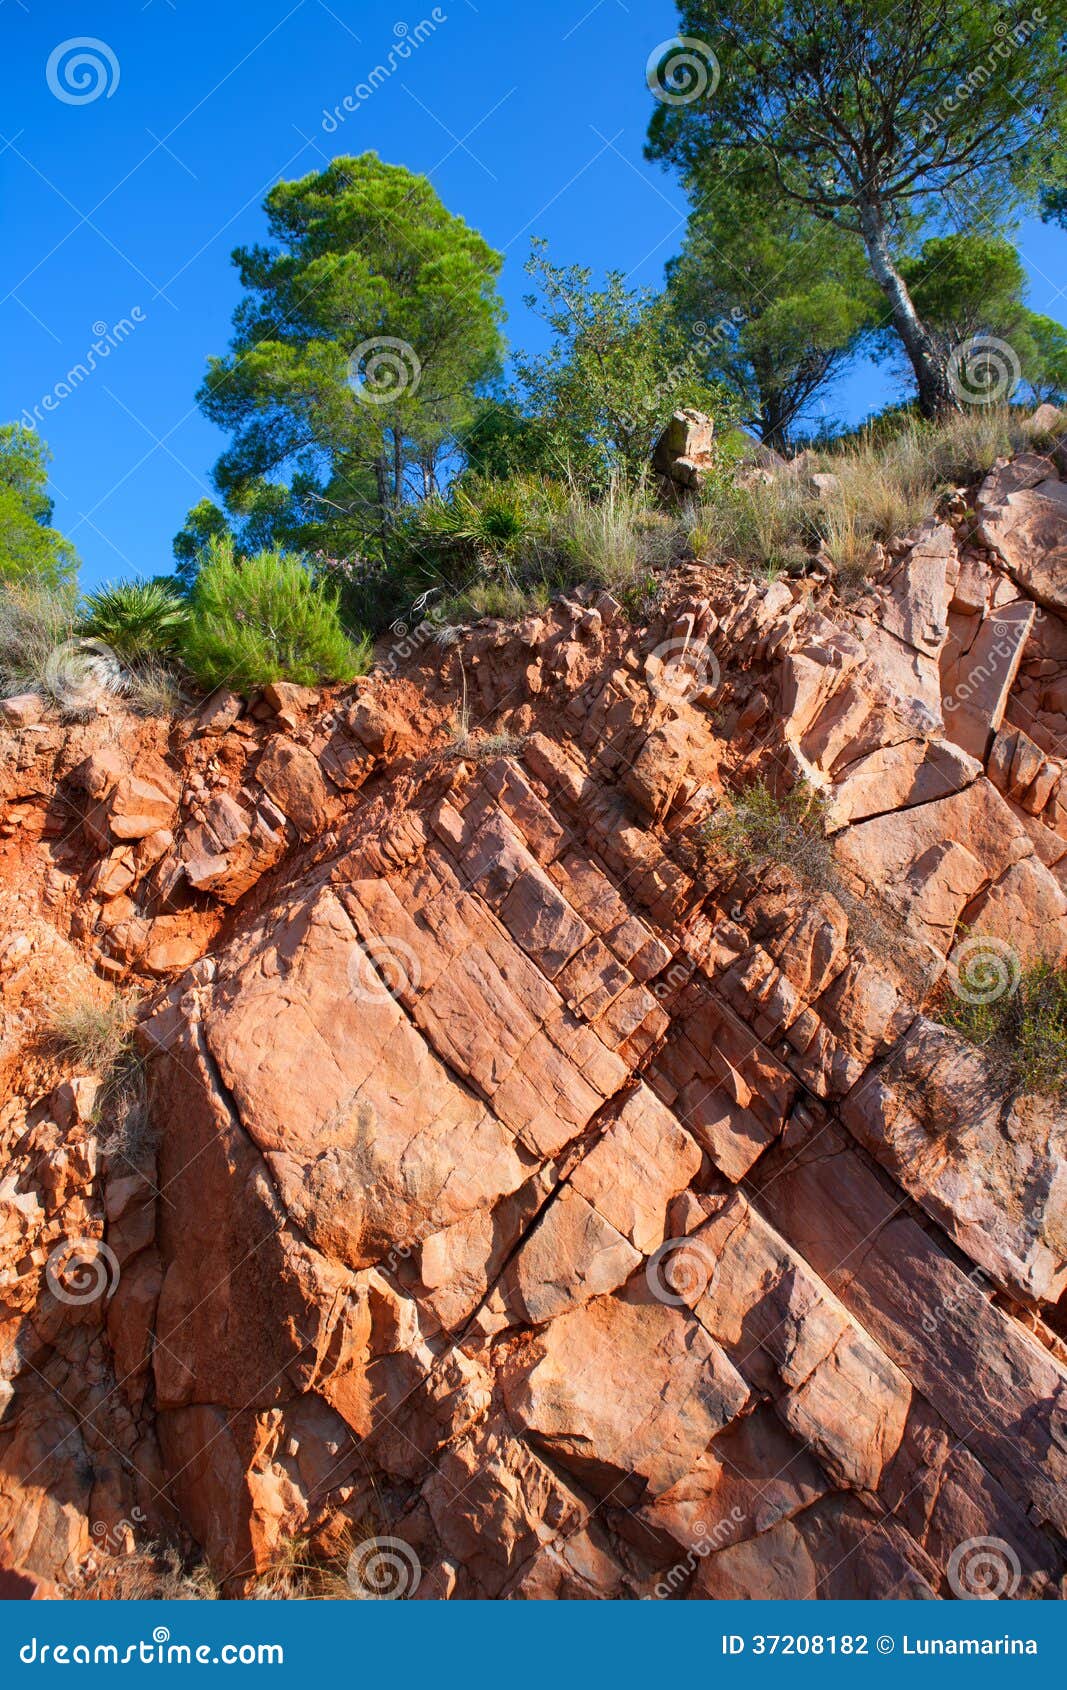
x: 525, y: 1182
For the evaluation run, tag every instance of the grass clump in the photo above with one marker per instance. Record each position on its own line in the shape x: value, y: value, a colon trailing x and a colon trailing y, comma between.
x: 1023, y: 1031
x: 889, y: 483
x: 485, y: 748
x: 762, y: 527
x: 38, y: 625
x: 33, y: 621
x: 94, y: 1035
x: 157, y: 1573
x: 297, y: 1574
x: 98, y: 1038
x: 154, y: 689
x: 265, y: 618
x: 764, y: 828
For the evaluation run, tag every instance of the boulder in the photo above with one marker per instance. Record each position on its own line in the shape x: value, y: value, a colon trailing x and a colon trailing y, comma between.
x: 683, y: 452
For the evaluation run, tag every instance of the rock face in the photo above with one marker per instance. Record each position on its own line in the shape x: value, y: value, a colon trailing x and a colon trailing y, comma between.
x: 683, y: 453
x: 522, y: 1182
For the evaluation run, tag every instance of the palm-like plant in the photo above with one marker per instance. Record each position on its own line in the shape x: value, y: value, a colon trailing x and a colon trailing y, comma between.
x: 137, y: 619
x: 491, y: 521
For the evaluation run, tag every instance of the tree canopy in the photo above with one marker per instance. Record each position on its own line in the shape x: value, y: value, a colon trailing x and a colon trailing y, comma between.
x: 368, y: 324
x: 774, y: 300
x: 970, y: 289
x: 619, y: 363
x: 875, y: 115
x: 30, y: 548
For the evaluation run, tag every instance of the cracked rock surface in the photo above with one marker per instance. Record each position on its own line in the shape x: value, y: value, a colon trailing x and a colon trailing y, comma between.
x: 524, y: 1180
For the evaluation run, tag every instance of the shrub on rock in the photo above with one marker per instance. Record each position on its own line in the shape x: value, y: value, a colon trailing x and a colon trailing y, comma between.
x: 264, y: 618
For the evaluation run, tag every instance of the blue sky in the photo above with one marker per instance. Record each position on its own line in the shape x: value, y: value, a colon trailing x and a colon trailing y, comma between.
x: 120, y: 212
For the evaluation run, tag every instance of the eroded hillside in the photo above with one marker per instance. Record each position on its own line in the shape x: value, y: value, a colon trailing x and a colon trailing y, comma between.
x: 523, y: 1178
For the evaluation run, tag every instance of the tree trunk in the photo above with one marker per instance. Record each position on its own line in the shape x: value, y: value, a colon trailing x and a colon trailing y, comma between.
x: 398, y: 468
x: 936, y: 395
x: 381, y: 479
x: 772, y: 426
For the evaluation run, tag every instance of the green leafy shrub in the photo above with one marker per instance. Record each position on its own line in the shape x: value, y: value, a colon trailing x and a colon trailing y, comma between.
x: 491, y: 521
x: 264, y: 618
x: 1023, y: 1031
x: 762, y: 828
x: 137, y: 619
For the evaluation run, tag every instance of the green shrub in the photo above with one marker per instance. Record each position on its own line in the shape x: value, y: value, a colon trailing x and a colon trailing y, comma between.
x: 264, y: 618
x: 763, y: 828
x: 137, y: 619
x: 1023, y: 1031
x: 490, y: 521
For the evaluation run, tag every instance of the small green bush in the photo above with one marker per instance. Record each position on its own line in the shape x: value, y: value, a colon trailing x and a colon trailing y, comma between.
x: 265, y: 618
x: 763, y: 828
x: 137, y: 619
x: 490, y: 522
x: 1023, y: 1031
